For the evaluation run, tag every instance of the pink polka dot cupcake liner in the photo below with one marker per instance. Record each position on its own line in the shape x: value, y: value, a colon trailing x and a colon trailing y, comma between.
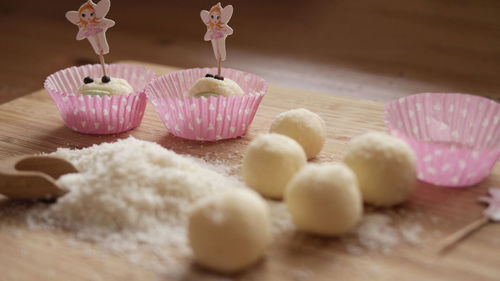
x: 206, y: 118
x: 95, y: 114
x: 456, y: 137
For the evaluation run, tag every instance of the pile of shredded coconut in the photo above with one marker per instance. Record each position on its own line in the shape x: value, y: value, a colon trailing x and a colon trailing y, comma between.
x: 129, y: 192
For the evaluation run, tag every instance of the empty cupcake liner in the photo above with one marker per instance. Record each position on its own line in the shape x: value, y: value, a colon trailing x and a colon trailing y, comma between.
x: 205, y: 118
x: 95, y: 114
x: 456, y: 137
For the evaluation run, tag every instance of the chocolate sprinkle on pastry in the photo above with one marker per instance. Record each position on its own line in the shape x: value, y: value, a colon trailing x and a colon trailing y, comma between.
x: 105, y: 79
x: 219, y: 77
x: 209, y: 75
x: 88, y: 80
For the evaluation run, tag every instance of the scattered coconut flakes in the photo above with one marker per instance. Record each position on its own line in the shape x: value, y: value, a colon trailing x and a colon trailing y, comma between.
x: 411, y: 232
x: 223, y: 163
x: 376, y: 233
x: 280, y: 218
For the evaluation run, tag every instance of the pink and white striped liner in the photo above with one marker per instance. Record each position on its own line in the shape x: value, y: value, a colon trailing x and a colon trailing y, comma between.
x: 456, y: 137
x: 95, y: 114
x: 205, y: 119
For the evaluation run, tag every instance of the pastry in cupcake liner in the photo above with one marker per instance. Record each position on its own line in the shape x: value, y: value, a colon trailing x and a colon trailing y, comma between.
x: 206, y: 118
x: 456, y: 137
x: 99, y: 114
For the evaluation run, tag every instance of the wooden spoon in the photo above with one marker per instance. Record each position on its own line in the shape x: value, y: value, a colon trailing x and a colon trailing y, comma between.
x: 33, y: 177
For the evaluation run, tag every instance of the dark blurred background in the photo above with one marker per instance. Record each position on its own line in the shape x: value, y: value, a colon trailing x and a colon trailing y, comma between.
x: 377, y: 50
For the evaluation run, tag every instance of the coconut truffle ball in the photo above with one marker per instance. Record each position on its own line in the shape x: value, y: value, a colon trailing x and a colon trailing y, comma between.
x: 304, y: 126
x: 209, y: 86
x: 113, y: 87
x: 324, y: 199
x: 269, y: 163
x: 229, y: 231
x: 384, y: 166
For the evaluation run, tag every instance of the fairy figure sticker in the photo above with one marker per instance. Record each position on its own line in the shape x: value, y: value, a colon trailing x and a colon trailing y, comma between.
x: 493, y: 210
x: 92, y: 25
x: 217, y: 29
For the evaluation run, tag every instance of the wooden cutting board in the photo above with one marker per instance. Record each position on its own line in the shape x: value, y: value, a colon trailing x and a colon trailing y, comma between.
x: 31, y: 124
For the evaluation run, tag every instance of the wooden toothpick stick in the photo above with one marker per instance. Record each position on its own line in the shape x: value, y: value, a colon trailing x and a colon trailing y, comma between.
x: 101, y: 58
x: 448, y: 242
x: 218, y: 67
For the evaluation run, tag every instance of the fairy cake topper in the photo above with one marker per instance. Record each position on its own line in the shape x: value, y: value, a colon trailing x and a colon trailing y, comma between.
x: 493, y: 201
x: 217, y: 30
x: 92, y: 25
x: 490, y: 214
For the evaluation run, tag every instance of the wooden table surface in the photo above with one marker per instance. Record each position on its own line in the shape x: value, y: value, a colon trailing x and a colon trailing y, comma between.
x: 377, y: 50
x: 32, y: 124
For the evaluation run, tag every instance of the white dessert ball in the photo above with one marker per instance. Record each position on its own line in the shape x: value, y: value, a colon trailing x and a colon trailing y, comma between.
x: 114, y: 87
x: 209, y: 86
x: 384, y: 166
x: 324, y: 199
x: 269, y: 163
x: 304, y: 126
x: 229, y: 231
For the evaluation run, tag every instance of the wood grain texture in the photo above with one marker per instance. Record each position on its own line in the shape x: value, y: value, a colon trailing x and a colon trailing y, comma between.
x: 32, y: 124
